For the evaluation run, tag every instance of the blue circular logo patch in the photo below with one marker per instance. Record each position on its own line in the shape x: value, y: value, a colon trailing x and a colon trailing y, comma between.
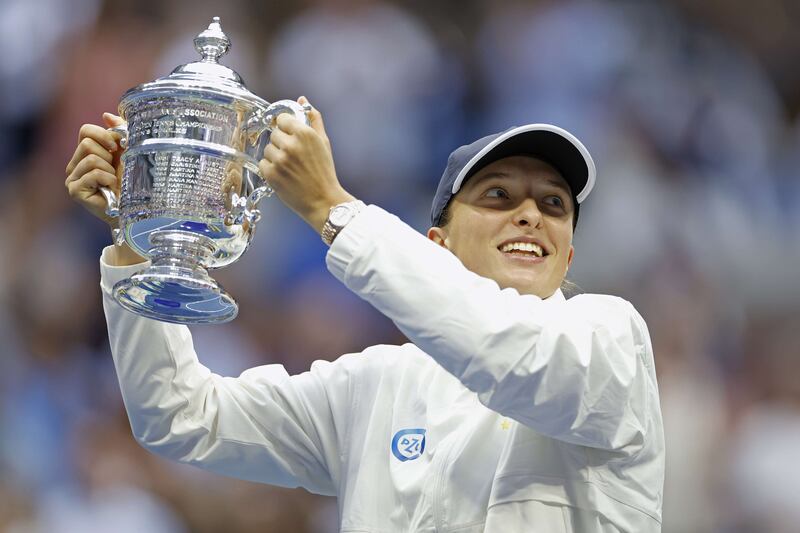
x: 408, y: 444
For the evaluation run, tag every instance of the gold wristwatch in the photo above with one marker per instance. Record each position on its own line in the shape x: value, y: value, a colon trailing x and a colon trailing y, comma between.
x: 338, y: 217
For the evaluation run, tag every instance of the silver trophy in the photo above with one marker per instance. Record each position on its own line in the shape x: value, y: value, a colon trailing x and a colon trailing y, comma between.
x: 191, y: 183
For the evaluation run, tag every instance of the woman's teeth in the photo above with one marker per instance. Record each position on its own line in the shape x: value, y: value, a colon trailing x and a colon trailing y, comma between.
x: 526, y: 247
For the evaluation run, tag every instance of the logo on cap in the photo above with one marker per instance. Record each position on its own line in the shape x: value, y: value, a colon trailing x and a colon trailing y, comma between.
x: 408, y: 444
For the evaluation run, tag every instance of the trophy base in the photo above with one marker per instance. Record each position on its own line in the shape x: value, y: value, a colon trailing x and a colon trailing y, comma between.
x: 173, y: 295
x: 177, y: 288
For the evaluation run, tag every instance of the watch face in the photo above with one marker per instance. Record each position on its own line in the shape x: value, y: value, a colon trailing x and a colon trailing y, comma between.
x: 340, y: 215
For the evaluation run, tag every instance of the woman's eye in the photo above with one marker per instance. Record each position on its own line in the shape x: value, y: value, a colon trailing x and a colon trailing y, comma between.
x: 555, y: 200
x: 496, y: 192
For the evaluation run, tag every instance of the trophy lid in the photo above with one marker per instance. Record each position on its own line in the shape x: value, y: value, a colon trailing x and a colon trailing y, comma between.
x: 206, y: 76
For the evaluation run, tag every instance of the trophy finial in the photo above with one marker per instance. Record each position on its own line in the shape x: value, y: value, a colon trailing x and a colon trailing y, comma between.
x: 212, y: 43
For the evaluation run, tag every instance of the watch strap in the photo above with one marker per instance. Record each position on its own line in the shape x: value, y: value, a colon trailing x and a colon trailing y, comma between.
x: 331, y: 230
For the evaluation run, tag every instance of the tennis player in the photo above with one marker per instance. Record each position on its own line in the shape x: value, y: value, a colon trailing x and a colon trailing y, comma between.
x: 512, y: 409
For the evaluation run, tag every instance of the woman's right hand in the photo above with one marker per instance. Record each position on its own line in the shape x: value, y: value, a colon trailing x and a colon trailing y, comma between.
x: 95, y: 164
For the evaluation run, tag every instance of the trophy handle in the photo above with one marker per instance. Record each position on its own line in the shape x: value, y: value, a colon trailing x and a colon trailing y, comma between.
x: 300, y: 111
x: 264, y: 121
x: 112, y: 209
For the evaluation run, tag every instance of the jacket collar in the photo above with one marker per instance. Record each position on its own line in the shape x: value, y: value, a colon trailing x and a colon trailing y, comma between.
x: 557, y: 296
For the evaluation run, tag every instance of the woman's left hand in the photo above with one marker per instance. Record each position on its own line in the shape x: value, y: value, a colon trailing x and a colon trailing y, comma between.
x: 298, y: 164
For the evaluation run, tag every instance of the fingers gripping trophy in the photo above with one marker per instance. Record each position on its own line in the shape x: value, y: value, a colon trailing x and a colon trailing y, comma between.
x: 190, y: 183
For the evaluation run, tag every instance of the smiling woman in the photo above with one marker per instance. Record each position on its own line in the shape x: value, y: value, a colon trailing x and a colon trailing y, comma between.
x: 531, y: 411
x: 500, y: 190
x: 512, y: 222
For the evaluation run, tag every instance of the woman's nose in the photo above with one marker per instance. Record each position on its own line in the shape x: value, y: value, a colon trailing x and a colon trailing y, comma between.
x: 527, y: 213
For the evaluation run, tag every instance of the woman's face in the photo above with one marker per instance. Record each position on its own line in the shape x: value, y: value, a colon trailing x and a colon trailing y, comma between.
x: 512, y: 222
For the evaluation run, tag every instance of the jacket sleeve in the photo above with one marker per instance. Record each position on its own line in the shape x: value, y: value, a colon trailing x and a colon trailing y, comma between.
x: 263, y: 426
x: 578, y: 370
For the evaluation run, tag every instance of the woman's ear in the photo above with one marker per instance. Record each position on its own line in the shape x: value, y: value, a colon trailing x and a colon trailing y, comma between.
x: 438, y: 235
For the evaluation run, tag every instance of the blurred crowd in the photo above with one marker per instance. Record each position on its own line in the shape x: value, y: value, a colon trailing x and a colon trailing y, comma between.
x: 689, y: 108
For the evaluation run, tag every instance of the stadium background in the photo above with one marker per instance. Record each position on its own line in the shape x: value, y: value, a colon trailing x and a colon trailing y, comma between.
x: 689, y: 107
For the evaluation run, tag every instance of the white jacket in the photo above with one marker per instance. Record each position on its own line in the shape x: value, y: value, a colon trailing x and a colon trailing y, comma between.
x: 507, y: 413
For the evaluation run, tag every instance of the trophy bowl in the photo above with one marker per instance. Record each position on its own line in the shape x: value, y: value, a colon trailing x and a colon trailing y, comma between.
x: 191, y: 183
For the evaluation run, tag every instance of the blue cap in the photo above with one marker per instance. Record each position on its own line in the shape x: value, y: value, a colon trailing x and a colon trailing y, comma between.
x: 549, y: 143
